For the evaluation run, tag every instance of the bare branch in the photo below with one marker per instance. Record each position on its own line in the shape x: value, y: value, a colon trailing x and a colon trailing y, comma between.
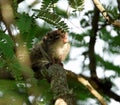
x: 92, y: 90
x: 105, y: 14
x: 7, y: 17
x: 91, y: 52
x: 84, y: 81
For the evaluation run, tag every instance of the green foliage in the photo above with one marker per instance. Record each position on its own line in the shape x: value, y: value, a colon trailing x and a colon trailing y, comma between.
x: 79, y: 90
x: 24, y: 19
x: 6, y: 46
x: 10, y: 94
x: 13, y: 66
x: 16, y: 69
x: 61, y: 12
x: 112, y: 12
x: 113, y: 41
x: 7, y: 56
x: 48, y: 4
x: 25, y: 25
x: 46, y: 93
x: 107, y: 65
x: 53, y: 19
x: 78, y: 40
x: 76, y: 4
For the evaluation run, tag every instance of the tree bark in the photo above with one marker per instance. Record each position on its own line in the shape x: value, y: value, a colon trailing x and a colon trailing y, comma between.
x: 92, y: 64
x: 58, y: 80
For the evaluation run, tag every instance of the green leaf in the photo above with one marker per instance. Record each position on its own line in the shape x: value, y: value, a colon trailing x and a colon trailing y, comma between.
x: 24, y: 22
x: 76, y: 4
x: 48, y: 4
x: 6, y: 46
x: 16, y: 69
x: 60, y: 12
x: 107, y: 65
x: 50, y: 18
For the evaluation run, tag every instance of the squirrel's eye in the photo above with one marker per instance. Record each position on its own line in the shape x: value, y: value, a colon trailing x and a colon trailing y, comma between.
x: 57, y: 36
x: 51, y: 37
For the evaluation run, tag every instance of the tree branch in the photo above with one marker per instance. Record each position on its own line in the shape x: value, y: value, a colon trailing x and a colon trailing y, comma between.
x: 61, y: 90
x: 91, y: 54
x: 84, y: 81
x: 59, y: 85
x: 7, y: 17
x: 105, y: 14
x: 113, y: 95
x: 118, y: 2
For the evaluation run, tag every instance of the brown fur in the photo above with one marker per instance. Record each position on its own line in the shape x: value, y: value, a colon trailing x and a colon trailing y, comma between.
x: 51, y: 49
